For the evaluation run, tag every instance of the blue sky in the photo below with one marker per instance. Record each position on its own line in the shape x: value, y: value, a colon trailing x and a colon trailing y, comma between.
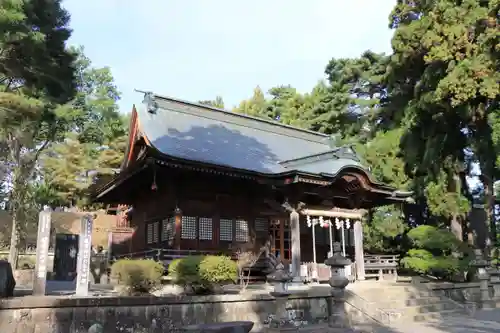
x: 198, y: 49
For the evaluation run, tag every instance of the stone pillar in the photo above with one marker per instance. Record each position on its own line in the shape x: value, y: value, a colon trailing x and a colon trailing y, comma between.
x: 42, y: 252
x: 358, y: 250
x: 84, y: 253
x: 338, y: 281
x: 482, y: 275
x: 280, y: 321
x: 295, y: 235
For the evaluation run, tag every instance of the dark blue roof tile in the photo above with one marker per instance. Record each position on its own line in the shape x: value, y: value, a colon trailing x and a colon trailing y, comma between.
x: 195, y: 132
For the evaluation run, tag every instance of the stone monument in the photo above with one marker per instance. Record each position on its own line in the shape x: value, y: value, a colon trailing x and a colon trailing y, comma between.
x: 42, y: 251
x: 84, y: 253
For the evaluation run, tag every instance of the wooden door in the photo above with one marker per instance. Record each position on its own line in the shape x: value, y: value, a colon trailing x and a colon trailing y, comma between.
x: 281, y: 243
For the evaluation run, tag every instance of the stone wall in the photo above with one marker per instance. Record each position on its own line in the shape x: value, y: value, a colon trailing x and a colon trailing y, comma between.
x: 153, y: 314
x: 467, y: 292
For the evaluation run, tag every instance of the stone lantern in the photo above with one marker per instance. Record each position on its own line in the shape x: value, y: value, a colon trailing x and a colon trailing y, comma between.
x: 280, y: 278
x: 482, y: 275
x: 338, y: 281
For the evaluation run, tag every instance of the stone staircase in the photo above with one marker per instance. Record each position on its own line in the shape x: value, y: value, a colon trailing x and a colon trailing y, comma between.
x: 392, y: 303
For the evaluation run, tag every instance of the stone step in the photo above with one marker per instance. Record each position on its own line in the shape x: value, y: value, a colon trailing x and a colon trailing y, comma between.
x: 377, y: 295
x: 404, y: 302
x: 420, y: 313
x: 436, y: 307
x: 426, y: 317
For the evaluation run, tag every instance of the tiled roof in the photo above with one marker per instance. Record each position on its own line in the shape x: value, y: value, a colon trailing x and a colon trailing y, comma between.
x: 200, y: 133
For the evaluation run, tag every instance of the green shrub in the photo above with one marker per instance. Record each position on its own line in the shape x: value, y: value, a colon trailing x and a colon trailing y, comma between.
x: 138, y: 276
x: 203, y: 273
x: 435, y: 240
x: 173, y: 267
x: 437, y: 252
x: 185, y: 271
x: 218, y: 269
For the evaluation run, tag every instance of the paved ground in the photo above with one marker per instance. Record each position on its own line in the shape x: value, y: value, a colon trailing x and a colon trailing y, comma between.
x: 484, y: 321
x: 64, y: 288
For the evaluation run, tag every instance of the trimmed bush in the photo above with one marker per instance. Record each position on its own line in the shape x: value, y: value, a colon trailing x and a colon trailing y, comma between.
x: 203, y: 273
x: 138, y: 276
x: 437, y: 252
x: 218, y: 269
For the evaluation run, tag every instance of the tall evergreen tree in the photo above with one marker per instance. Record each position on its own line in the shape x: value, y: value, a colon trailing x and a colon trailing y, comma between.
x: 445, y: 74
x: 36, y: 77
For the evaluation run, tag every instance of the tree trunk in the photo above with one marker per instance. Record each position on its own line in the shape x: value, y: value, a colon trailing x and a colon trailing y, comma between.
x: 455, y: 186
x: 15, y: 151
x: 14, y: 240
x: 456, y: 227
x: 489, y: 196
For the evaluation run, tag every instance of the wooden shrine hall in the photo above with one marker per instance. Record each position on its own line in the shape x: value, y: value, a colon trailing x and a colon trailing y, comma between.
x: 203, y: 179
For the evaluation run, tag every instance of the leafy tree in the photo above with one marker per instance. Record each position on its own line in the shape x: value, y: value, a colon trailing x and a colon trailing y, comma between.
x: 437, y: 252
x: 445, y: 72
x: 68, y: 168
x: 217, y: 103
x: 97, y: 118
x: 255, y: 106
x: 32, y: 45
x: 36, y: 77
x: 95, y: 145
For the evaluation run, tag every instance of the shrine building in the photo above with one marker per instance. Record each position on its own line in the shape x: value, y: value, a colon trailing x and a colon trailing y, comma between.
x: 202, y: 179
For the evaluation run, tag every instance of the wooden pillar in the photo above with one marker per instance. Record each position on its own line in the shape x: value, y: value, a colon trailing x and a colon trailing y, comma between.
x: 358, y: 250
x: 178, y: 228
x: 295, y: 235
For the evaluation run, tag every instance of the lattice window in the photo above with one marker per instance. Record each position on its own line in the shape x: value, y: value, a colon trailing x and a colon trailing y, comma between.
x: 156, y: 228
x: 188, y: 227
x: 261, y: 226
x: 226, y: 230
x: 205, y: 228
x: 168, y: 229
x: 149, y: 233
x: 242, y: 234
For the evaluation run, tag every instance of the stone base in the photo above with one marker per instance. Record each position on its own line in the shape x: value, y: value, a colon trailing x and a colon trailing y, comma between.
x: 487, y: 305
x: 281, y: 329
x: 296, y: 283
x: 226, y: 327
x: 323, y: 328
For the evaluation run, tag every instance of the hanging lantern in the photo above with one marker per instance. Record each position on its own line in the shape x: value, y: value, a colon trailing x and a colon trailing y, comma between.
x: 308, y: 219
x: 347, y: 223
